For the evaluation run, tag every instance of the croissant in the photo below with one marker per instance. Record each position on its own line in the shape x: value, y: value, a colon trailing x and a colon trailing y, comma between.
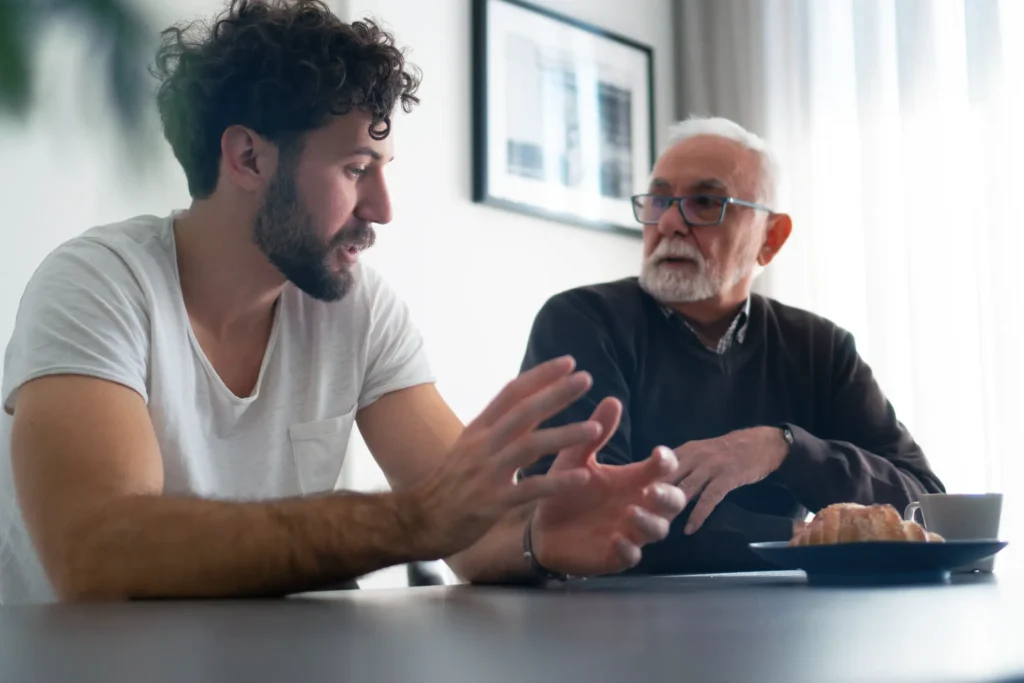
x: 853, y: 523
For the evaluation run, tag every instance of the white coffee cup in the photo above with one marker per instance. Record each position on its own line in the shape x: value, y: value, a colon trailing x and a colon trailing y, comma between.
x: 961, y: 517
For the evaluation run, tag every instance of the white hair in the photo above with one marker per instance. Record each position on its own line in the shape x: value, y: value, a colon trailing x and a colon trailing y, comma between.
x: 724, y: 128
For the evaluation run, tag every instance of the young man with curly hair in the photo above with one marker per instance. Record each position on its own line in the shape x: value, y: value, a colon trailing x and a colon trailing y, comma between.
x: 179, y: 390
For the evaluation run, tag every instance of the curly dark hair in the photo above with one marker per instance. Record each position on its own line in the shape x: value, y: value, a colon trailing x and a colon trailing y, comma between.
x: 279, y: 67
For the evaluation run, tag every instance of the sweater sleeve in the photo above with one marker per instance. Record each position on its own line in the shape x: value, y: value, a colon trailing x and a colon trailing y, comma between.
x: 862, y: 453
x: 568, y: 325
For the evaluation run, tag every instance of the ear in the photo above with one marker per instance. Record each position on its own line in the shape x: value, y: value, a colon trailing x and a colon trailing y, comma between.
x: 247, y: 159
x: 780, y: 225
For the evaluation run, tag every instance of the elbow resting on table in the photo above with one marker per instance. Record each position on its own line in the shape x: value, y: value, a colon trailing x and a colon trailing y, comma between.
x: 76, y: 577
x: 79, y: 564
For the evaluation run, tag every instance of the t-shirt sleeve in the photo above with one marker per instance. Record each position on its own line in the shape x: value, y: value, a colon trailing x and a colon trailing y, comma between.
x: 82, y: 313
x: 397, y: 358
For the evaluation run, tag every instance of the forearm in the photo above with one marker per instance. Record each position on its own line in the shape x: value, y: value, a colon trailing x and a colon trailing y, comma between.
x: 820, y: 472
x: 498, y: 556
x: 169, y: 547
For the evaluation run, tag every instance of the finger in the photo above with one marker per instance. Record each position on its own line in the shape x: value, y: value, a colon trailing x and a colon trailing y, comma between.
x: 626, y: 553
x: 523, y: 386
x: 530, y: 412
x: 642, y: 527
x: 664, y: 499
x: 709, y: 500
x: 696, y: 482
x: 543, y: 486
x: 607, y: 414
x: 525, y: 450
x: 688, y: 462
x: 661, y: 462
x: 656, y: 467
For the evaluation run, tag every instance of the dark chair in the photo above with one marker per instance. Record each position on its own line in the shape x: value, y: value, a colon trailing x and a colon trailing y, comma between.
x: 424, y: 574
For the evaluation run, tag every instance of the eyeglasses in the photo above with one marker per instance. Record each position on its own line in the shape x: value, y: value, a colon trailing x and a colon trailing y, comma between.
x: 696, y: 209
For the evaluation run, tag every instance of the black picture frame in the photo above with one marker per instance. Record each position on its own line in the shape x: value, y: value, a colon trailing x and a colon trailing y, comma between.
x: 588, y: 180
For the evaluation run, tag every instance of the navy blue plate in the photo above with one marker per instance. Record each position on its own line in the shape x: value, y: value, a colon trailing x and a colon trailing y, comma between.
x: 878, y: 562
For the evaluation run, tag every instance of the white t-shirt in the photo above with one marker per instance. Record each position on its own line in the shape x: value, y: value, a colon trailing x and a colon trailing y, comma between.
x: 108, y: 304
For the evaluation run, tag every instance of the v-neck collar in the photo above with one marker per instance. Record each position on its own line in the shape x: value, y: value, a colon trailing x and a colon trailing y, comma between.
x: 279, y: 313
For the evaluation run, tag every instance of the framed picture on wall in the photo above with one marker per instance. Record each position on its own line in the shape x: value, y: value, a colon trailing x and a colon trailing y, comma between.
x: 563, y: 116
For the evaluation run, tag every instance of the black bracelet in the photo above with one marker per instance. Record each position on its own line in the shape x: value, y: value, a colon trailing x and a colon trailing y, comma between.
x: 536, y: 567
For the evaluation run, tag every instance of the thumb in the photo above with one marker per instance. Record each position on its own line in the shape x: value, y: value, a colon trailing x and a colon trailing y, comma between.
x: 607, y: 414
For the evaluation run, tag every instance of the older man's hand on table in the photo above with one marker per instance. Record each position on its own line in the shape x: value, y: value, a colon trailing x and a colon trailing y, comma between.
x: 601, y: 527
x: 711, y: 468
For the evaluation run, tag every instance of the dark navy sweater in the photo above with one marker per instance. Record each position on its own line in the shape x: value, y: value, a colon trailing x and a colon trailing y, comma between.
x: 793, y: 369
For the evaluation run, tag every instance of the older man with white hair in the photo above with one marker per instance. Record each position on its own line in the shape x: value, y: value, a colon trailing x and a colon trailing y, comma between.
x: 771, y: 408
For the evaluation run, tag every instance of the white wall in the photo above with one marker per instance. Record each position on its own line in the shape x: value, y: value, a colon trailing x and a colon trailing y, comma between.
x: 64, y: 170
x: 474, y: 276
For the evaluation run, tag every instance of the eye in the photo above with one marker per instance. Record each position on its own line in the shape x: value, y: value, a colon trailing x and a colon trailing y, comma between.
x: 661, y: 202
x: 705, y: 202
x: 357, y: 171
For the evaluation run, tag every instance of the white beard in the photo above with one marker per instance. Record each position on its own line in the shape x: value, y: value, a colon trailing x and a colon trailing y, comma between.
x: 681, y: 285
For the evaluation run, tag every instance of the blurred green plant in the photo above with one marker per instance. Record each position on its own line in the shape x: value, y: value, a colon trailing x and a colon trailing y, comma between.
x: 118, y: 35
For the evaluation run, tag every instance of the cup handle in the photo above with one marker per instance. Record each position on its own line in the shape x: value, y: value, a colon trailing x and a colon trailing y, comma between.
x: 911, y: 512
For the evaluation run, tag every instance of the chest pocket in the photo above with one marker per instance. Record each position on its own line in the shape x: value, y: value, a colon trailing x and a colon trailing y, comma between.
x: 319, y: 451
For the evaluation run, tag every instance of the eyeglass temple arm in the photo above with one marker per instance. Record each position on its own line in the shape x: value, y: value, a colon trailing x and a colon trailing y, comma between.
x: 749, y: 205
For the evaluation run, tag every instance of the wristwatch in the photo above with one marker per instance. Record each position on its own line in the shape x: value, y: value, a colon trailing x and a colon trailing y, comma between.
x: 787, y: 434
x: 538, y: 570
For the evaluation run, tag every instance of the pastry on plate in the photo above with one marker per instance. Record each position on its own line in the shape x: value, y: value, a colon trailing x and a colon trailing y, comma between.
x: 854, y: 523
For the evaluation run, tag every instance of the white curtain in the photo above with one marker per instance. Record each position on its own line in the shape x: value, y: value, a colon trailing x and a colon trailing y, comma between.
x: 900, y: 129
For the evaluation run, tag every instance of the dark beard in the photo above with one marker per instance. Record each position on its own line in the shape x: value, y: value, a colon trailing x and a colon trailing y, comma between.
x: 284, y: 232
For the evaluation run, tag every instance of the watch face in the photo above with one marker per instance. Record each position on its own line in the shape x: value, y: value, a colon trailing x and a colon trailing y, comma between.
x: 787, y: 434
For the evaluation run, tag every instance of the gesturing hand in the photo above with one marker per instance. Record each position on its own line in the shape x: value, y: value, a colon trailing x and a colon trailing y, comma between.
x: 600, y: 527
x: 711, y: 468
x: 475, y: 486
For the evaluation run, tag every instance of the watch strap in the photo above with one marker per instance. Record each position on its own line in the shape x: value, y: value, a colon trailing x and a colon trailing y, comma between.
x: 537, y: 569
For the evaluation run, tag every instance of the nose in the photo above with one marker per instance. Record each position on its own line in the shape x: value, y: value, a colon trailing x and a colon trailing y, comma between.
x: 672, y: 223
x: 375, y: 201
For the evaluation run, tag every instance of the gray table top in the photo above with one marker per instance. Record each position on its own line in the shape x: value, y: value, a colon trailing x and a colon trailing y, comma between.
x: 768, y: 627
